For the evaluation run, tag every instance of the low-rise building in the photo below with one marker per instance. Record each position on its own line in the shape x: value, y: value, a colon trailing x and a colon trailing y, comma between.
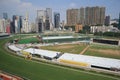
x: 78, y: 27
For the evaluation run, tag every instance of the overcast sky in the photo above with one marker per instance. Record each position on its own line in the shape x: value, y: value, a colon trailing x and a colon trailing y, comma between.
x: 20, y: 7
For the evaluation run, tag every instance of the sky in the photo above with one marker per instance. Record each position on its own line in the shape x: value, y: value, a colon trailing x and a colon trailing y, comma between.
x: 20, y: 7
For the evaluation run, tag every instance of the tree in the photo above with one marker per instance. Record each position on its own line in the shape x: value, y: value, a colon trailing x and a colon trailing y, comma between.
x: 115, y: 25
x: 86, y: 29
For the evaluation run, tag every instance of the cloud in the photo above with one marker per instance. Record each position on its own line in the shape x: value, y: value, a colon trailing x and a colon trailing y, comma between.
x: 18, y: 7
x: 73, y: 5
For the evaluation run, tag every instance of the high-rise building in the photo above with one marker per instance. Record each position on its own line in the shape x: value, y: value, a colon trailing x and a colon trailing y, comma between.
x: 48, y: 21
x: 102, y: 15
x: 16, y: 25
x: 94, y: 15
x: 44, y: 20
x: 2, y: 25
x: 5, y: 16
x: 41, y: 16
x: 119, y: 22
x: 13, y: 24
x: 49, y: 17
x: 25, y: 22
x: 107, y: 20
x: 20, y: 22
x: 81, y: 16
x: 86, y: 16
x: 72, y: 17
x: 57, y: 20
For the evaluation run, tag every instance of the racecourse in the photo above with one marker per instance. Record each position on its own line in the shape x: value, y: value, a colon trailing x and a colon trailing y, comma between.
x: 34, y: 70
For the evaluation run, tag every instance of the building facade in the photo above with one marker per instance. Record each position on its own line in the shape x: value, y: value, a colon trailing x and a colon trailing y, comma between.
x: 2, y: 25
x: 40, y: 20
x: 119, y: 22
x: 72, y: 17
x: 57, y: 20
x: 25, y: 25
x: 5, y: 16
x: 44, y: 20
x: 78, y: 27
x: 107, y: 20
x: 94, y: 15
x: 49, y: 18
x: 16, y: 24
x: 86, y: 16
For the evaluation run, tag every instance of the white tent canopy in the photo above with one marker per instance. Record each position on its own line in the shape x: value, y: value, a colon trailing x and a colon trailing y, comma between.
x: 59, y: 37
x: 14, y: 48
x: 50, y: 54
x: 97, y: 61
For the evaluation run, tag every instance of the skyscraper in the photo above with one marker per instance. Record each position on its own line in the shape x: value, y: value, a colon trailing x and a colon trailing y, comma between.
x: 25, y: 21
x: 2, y: 25
x: 40, y: 20
x: 21, y: 24
x: 44, y: 19
x: 57, y: 20
x: 48, y: 19
x: 87, y: 15
x: 81, y: 13
x: 119, y: 22
x: 102, y: 15
x: 16, y: 24
x: 72, y: 17
x: 107, y: 20
x: 94, y: 15
x: 5, y: 16
x: 13, y: 24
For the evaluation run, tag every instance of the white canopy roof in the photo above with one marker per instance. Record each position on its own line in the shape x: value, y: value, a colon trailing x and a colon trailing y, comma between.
x: 59, y: 37
x: 14, y: 48
x: 46, y: 53
x: 98, y: 61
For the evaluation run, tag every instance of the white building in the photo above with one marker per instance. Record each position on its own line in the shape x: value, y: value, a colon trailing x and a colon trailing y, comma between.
x: 3, y: 24
x: 26, y: 27
x: 103, y: 29
x: 44, y: 20
x: 40, y: 20
x: 49, y: 15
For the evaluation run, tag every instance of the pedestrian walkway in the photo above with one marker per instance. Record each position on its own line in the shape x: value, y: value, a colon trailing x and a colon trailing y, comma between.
x: 84, y: 50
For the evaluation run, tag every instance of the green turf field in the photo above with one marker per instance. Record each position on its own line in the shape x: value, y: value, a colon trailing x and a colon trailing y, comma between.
x: 28, y: 40
x: 104, y: 51
x: 69, y: 48
x: 43, y: 71
x: 94, y: 50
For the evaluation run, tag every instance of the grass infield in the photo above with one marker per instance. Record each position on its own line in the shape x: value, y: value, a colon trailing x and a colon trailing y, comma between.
x: 94, y: 50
